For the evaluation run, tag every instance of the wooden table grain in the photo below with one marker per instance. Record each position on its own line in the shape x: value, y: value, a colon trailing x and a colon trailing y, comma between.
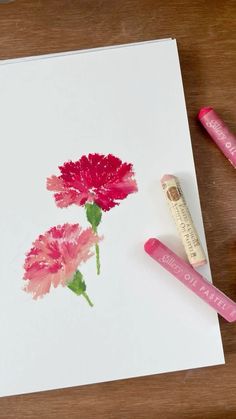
x: 206, y: 35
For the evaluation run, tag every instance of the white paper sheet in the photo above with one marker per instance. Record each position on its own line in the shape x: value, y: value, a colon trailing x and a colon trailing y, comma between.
x: 129, y: 102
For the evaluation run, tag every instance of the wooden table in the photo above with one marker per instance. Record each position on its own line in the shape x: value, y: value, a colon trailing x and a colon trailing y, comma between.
x: 206, y: 35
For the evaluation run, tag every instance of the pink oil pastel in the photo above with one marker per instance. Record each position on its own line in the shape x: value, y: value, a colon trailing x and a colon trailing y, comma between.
x: 219, y: 132
x: 192, y: 279
x: 55, y: 257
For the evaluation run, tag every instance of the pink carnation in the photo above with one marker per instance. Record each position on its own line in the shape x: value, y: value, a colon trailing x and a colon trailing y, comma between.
x: 55, y: 256
x: 96, y: 178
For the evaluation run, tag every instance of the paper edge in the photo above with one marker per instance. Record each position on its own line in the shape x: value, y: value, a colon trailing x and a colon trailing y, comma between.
x: 132, y: 377
x: 80, y: 51
x: 198, y: 196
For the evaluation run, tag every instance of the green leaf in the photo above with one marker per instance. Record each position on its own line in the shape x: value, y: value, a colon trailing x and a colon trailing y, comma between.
x: 94, y: 215
x: 77, y: 285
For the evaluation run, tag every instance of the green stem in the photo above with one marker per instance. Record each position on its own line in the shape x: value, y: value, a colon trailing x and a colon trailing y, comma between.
x: 98, y: 264
x: 85, y: 295
x: 94, y: 216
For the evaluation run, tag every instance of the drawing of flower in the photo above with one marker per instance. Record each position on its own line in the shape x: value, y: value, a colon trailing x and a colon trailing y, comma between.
x: 54, y: 259
x: 98, y: 182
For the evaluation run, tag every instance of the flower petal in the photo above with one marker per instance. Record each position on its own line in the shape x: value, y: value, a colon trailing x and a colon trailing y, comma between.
x: 96, y: 178
x: 55, y: 256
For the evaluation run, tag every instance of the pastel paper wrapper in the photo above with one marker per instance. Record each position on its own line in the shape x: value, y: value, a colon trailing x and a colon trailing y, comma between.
x: 219, y: 132
x: 192, y: 279
x: 183, y: 220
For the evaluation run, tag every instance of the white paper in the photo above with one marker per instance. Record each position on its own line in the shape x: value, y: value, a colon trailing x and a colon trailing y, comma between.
x: 128, y: 102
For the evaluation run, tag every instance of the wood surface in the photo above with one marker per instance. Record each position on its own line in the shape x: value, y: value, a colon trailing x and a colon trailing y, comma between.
x: 206, y: 35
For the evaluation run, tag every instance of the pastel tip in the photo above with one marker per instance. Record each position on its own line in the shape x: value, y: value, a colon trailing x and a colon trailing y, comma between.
x: 203, y: 112
x: 200, y: 263
x: 150, y: 245
x: 167, y: 177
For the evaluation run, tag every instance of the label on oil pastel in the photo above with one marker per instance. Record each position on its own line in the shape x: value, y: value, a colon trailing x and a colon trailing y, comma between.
x: 183, y: 220
x: 220, y: 133
x: 193, y: 280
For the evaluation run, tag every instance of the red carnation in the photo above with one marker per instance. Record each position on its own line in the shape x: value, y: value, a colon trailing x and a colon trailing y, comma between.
x: 95, y: 178
x: 54, y: 259
x: 97, y: 182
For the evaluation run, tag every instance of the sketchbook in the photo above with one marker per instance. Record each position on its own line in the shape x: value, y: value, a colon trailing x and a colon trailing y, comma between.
x: 85, y: 138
